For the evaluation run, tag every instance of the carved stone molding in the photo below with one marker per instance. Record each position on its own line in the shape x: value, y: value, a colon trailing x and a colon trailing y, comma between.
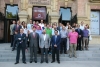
x: 95, y: 1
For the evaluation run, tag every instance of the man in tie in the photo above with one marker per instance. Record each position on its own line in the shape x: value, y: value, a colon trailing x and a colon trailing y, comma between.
x: 33, y: 40
x: 80, y: 33
x: 44, y: 44
x: 17, y: 27
x: 21, y: 45
x: 55, y: 41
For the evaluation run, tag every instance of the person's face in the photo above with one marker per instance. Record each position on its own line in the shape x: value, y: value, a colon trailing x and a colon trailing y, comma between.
x: 47, y: 26
x: 13, y: 22
x: 55, y: 27
x: 37, y: 22
x: 82, y: 23
x: 44, y: 31
x: 63, y: 27
x: 41, y: 21
x: 38, y: 28
x: 67, y: 24
x: 33, y: 22
x: 85, y: 27
x: 30, y: 21
x: 78, y: 26
x: 21, y: 30
x: 56, y: 32
x: 73, y: 30
x: 18, y: 22
x: 34, y: 28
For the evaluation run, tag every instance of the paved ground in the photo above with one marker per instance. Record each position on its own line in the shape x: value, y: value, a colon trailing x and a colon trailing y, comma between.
x: 62, y: 64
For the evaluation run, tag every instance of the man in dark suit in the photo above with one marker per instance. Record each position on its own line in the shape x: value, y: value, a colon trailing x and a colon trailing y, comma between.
x: 21, y: 44
x: 55, y: 41
x: 17, y: 27
x: 33, y: 40
x: 80, y: 33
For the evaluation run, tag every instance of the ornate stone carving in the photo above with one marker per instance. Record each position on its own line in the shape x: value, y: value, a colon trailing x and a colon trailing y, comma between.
x: 94, y: 1
x: 11, y: 2
x: 24, y: 4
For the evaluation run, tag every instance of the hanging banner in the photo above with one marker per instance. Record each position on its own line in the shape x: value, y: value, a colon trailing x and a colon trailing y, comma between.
x: 39, y: 13
x: 95, y: 25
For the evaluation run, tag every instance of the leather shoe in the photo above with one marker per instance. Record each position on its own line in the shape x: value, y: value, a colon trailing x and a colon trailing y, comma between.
x: 13, y: 49
x: 46, y: 61
x: 35, y: 61
x: 24, y: 62
x: 59, y: 62
x: 41, y: 61
x: 30, y: 61
x: 16, y: 62
x: 52, y: 61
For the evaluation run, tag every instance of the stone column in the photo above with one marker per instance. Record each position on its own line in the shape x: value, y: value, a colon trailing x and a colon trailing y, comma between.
x: 54, y: 13
x: 23, y: 15
x: 66, y: 3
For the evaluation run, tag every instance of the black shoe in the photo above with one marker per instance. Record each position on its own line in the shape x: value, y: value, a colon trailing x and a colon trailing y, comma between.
x: 41, y: 62
x: 46, y: 61
x: 30, y: 61
x: 52, y: 61
x: 13, y: 49
x: 58, y: 62
x: 65, y: 52
x: 16, y: 62
x: 24, y: 62
x: 35, y: 61
x: 61, y: 52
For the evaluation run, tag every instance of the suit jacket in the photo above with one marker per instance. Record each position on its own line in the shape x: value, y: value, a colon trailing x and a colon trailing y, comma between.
x: 33, y: 40
x: 44, y: 43
x: 57, y: 42
x: 11, y: 29
x: 79, y: 33
x: 15, y: 28
x: 23, y: 40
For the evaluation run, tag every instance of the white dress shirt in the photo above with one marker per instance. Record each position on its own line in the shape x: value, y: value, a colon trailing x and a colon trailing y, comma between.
x: 82, y: 27
x: 44, y: 35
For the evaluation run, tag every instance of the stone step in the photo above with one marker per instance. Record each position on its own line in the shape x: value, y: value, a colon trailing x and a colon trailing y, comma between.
x: 61, y: 59
x: 61, y: 55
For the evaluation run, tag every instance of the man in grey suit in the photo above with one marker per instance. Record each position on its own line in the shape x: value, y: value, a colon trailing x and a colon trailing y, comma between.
x: 44, y: 44
x: 12, y: 32
x: 33, y: 40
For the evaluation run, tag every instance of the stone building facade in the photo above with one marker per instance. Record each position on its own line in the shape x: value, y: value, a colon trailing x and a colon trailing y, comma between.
x: 80, y: 7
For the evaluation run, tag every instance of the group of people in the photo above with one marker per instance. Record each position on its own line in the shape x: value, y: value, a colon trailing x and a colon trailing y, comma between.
x: 48, y: 39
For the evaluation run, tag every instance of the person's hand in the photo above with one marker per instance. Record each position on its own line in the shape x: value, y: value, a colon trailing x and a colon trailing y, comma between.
x: 19, y: 38
x: 55, y: 45
x: 79, y: 35
x: 26, y: 50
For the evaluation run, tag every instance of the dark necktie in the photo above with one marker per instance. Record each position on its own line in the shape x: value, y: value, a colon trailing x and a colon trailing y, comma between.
x: 55, y: 38
x: 79, y: 30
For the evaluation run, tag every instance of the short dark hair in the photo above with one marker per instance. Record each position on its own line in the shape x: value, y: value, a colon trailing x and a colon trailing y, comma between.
x: 56, y: 31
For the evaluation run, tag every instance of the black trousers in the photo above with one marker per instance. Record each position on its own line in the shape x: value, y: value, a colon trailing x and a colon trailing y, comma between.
x: 63, y: 45
x: 18, y: 53
x: 55, y: 51
x: 79, y: 43
x: 12, y: 39
x: 82, y: 40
